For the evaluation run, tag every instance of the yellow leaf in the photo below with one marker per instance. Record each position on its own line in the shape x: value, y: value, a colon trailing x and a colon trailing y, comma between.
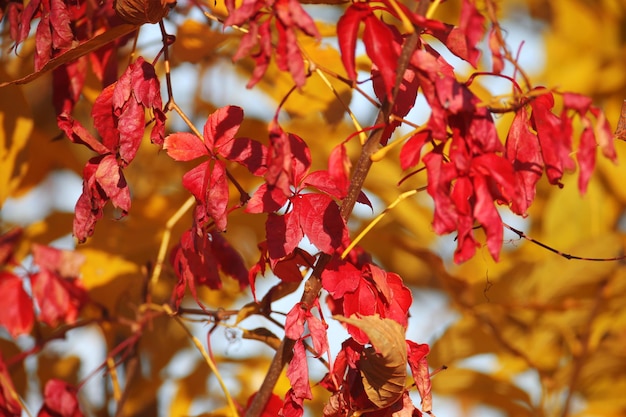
x: 569, y: 219
x: 53, y: 365
x: 196, y: 41
x: 465, y: 338
x: 16, y: 124
x: 110, y: 279
x: 478, y: 388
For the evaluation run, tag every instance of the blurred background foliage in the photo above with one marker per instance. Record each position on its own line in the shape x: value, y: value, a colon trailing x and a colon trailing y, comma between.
x: 533, y: 335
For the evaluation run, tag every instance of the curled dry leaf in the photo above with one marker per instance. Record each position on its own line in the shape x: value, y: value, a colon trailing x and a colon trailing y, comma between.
x: 383, y: 366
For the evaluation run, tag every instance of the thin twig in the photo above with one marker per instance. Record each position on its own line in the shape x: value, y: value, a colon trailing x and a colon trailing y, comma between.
x: 207, y: 358
x: 558, y: 252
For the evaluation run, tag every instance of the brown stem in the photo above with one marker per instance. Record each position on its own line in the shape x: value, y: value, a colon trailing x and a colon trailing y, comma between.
x: 313, y: 286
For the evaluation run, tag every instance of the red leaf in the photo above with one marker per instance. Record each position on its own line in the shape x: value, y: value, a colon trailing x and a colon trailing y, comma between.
x: 288, y: 55
x: 65, y: 263
x: 43, y: 43
x: 347, y: 34
x: 411, y: 151
x: 379, y: 277
x: 230, y: 261
x: 319, y: 334
x: 90, y: 203
x: 68, y: 82
x: 523, y: 151
x: 104, y: 119
x: 599, y: 135
x: 376, y: 40
x: 283, y: 233
x: 9, y: 406
x: 288, y: 268
x: 184, y: 146
x: 336, y: 180
x: 472, y: 24
x: 209, y: 184
x: 416, y: 356
x: 577, y: 102
x: 298, y: 372
x: 486, y: 213
x: 288, y: 160
x: 266, y: 199
x: 364, y: 302
x: 78, y: 134
x: 247, y: 152
x: 461, y: 195
x: 53, y: 299
x: 261, y: 58
x: 62, y: 35
x: 217, y: 196
x: 294, y: 322
x: 60, y: 400
x: 407, y: 92
x: 293, y: 405
x: 321, y: 222
x: 323, y: 181
x: 131, y: 126
x: 586, y: 157
x: 110, y: 178
x: 339, y: 166
x: 555, y: 142
x: 221, y: 127
x: 17, y: 315
x: 194, y: 263
x: 604, y: 135
x: 195, y: 180
x: 340, y: 277
x: 439, y: 178
x: 400, y: 299
x: 291, y: 13
x: 59, y: 294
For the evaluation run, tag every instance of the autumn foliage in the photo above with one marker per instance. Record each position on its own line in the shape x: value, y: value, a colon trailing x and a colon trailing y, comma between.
x: 241, y: 216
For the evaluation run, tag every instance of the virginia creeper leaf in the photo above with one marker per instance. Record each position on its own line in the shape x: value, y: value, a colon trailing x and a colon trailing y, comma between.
x: 321, y: 222
x: 183, y: 146
x: 416, y: 354
x: 56, y: 288
x: 60, y: 400
x: 17, y: 316
x: 298, y: 372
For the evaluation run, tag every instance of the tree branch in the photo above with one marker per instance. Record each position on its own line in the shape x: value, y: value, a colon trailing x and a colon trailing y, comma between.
x: 313, y: 286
